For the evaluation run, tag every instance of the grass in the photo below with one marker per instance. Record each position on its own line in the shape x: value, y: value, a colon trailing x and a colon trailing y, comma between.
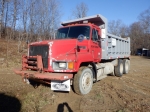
x: 98, y: 95
x: 11, y: 56
x: 36, y: 100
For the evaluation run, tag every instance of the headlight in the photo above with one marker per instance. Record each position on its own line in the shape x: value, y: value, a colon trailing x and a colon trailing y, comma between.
x: 62, y: 65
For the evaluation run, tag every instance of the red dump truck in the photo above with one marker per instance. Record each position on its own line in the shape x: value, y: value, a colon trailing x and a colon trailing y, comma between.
x: 83, y: 52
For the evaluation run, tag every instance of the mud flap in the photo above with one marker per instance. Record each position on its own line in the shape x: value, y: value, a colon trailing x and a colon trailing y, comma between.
x: 60, y: 85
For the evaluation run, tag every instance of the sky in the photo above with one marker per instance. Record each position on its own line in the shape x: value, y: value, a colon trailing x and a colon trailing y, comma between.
x: 125, y: 10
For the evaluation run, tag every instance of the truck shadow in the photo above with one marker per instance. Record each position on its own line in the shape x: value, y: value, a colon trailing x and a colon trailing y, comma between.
x: 9, y: 103
x: 61, y: 106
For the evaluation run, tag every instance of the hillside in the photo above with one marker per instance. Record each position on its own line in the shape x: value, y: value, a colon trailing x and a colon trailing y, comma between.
x: 11, y: 52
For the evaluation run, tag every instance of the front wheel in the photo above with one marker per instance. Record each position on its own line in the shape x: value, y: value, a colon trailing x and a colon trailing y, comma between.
x: 83, y: 81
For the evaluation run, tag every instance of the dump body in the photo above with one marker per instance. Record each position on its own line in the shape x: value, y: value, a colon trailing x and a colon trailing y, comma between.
x: 115, y: 47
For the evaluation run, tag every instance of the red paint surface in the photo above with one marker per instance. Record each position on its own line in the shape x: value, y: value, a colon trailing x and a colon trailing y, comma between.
x: 68, y: 50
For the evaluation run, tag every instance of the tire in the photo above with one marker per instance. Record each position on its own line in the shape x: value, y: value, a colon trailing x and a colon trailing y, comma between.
x: 126, y: 66
x: 83, y: 81
x: 119, y: 68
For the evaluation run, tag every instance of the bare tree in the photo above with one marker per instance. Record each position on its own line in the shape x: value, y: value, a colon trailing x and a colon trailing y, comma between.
x: 36, y: 18
x: 80, y: 10
x: 114, y: 27
x: 15, y: 15
x: 28, y: 20
x: 6, y: 18
x: 48, y: 17
x: 32, y: 21
x: 144, y: 19
x: 24, y: 14
x: 2, y: 6
x: 136, y: 32
x: 140, y: 32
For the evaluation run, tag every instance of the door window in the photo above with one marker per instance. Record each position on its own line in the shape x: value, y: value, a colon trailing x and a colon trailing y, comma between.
x: 94, y: 35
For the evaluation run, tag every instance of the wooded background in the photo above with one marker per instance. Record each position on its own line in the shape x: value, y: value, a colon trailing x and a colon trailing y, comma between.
x: 31, y: 20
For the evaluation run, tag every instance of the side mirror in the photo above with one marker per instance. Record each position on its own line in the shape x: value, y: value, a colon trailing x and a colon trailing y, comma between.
x: 80, y: 38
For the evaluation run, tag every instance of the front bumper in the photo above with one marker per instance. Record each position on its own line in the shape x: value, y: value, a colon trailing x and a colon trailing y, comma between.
x: 43, y: 76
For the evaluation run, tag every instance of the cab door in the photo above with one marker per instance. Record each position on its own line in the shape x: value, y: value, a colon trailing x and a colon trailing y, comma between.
x: 95, y: 46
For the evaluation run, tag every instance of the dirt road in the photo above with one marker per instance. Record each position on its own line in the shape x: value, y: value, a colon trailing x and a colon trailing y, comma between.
x: 130, y: 93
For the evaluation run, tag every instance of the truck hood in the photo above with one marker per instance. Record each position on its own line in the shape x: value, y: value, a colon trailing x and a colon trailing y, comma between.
x: 63, y: 49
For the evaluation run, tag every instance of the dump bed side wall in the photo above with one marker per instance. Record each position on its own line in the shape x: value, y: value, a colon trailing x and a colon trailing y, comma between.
x: 115, y: 47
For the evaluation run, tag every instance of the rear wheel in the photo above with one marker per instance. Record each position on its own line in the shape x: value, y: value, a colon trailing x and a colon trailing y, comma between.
x: 83, y: 81
x: 126, y: 66
x: 119, y: 68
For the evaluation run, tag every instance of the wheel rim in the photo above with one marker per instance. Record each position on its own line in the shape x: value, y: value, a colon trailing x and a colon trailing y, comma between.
x: 121, y: 68
x: 86, y: 81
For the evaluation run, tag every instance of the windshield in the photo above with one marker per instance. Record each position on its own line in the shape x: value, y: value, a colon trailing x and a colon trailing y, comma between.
x: 73, y: 32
